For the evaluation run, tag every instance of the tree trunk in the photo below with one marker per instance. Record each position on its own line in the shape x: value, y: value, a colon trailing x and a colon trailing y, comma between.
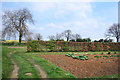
x: 117, y: 39
x: 20, y: 37
x: 67, y: 39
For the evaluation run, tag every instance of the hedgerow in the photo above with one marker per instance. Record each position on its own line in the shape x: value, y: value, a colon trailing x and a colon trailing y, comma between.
x: 72, y: 46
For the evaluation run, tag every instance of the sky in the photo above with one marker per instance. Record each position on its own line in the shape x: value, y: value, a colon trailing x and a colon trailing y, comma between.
x: 89, y: 19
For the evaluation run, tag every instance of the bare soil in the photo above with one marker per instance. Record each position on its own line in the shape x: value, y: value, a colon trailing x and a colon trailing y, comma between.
x: 92, y: 67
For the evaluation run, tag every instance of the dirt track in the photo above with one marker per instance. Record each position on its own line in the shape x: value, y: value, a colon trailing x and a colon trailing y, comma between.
x: 89, y: 68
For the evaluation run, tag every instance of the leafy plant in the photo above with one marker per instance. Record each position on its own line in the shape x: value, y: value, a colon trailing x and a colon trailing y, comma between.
x: 81, y: 57
x: 105, y: 56
x: 108, y: 52
x: 97, y: 56
x: 51, y: 45
x: 65, y: 47
x: 34, y: 45
x: 75, y: 57
x: 70, y: 54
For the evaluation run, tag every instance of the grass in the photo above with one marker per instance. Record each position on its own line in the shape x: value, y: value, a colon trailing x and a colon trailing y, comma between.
x: 109, y: 76
x: 25, y: 66
x: 7, y: 65
x: 59, y: 53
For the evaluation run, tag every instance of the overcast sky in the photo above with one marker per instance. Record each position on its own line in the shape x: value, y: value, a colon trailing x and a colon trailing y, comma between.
x: 89, y: 19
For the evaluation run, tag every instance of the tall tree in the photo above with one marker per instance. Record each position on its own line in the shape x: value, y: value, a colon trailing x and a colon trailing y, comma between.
x: 15, y: 21
x: 67, y: 34
x: 58, y: 37
x: 38, y: 36
x: 28, y: 36
x: 76, y: 36
x: 51, y: 37
x: 114, y: 31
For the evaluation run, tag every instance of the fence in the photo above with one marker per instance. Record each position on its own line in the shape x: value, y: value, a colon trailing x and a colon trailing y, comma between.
x: 72, y: 46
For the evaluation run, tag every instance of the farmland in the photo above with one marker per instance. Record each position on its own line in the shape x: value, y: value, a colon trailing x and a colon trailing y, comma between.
x: 57, y: 64
x: 91, y: 67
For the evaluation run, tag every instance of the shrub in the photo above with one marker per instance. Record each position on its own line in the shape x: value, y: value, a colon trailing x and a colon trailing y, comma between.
x: 51, y: 45
x: 65, y: 47
x: 34, y: 45
x: 108, y: 53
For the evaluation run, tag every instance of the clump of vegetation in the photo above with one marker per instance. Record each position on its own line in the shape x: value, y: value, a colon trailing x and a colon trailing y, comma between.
x: 102, y: 53
x: 114, y: 52
x: 81, y: 57
x: 65, y: 47
x: 105, y: 56
x: 51, y: 45
x: 70, y: 54
x: 109, y: 53
x: 34, y: 46
x: 97, y: 56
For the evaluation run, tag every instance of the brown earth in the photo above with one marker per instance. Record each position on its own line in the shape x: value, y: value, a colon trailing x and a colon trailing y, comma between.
x: 92, y: 67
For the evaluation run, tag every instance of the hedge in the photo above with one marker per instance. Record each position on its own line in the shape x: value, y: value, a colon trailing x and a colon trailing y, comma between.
x: 72, y: 46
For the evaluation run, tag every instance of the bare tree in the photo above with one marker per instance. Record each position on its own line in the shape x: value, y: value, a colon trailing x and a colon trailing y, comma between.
x: 52, y: 37
x: 38, y: 36
x: 8, y: 33
x: 28, y: 36
x: 67, y: 34
x: 15, y: 21
x: 58, y: 37
x: 114, y: 31
x: 76, y: 36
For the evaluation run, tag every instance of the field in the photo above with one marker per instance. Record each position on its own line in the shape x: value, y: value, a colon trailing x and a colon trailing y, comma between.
x: 89, y: 68
x: 56, y: 64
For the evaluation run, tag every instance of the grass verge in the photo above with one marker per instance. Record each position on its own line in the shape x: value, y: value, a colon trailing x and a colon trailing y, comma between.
x: 7, y: 65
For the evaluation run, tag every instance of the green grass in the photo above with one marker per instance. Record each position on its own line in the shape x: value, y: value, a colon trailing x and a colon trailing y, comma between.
x: 7, y: 65
x: 59, y: 53
x: 25, y: 66
x: 109, y: 76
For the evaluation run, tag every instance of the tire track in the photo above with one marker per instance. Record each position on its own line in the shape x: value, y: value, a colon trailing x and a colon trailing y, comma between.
x: 16, y: 68
x: 42, y: 72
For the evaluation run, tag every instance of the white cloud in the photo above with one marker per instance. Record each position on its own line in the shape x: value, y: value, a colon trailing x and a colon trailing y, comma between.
x: 35, y: 29
x: 63, y: 8
x: 77, y: 9
x: 53, y: 25
x: 42, y: 7
x: 41, y: 28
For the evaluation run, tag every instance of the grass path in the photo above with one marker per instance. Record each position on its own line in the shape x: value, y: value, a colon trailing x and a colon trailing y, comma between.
x: 26, y: 68
x: 42, y: 73
x: 14, y: 73
x: 16, y: 68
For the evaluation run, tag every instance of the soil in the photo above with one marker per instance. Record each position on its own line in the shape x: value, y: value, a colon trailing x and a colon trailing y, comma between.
x: 93, y: 67
x: 28, y: 74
